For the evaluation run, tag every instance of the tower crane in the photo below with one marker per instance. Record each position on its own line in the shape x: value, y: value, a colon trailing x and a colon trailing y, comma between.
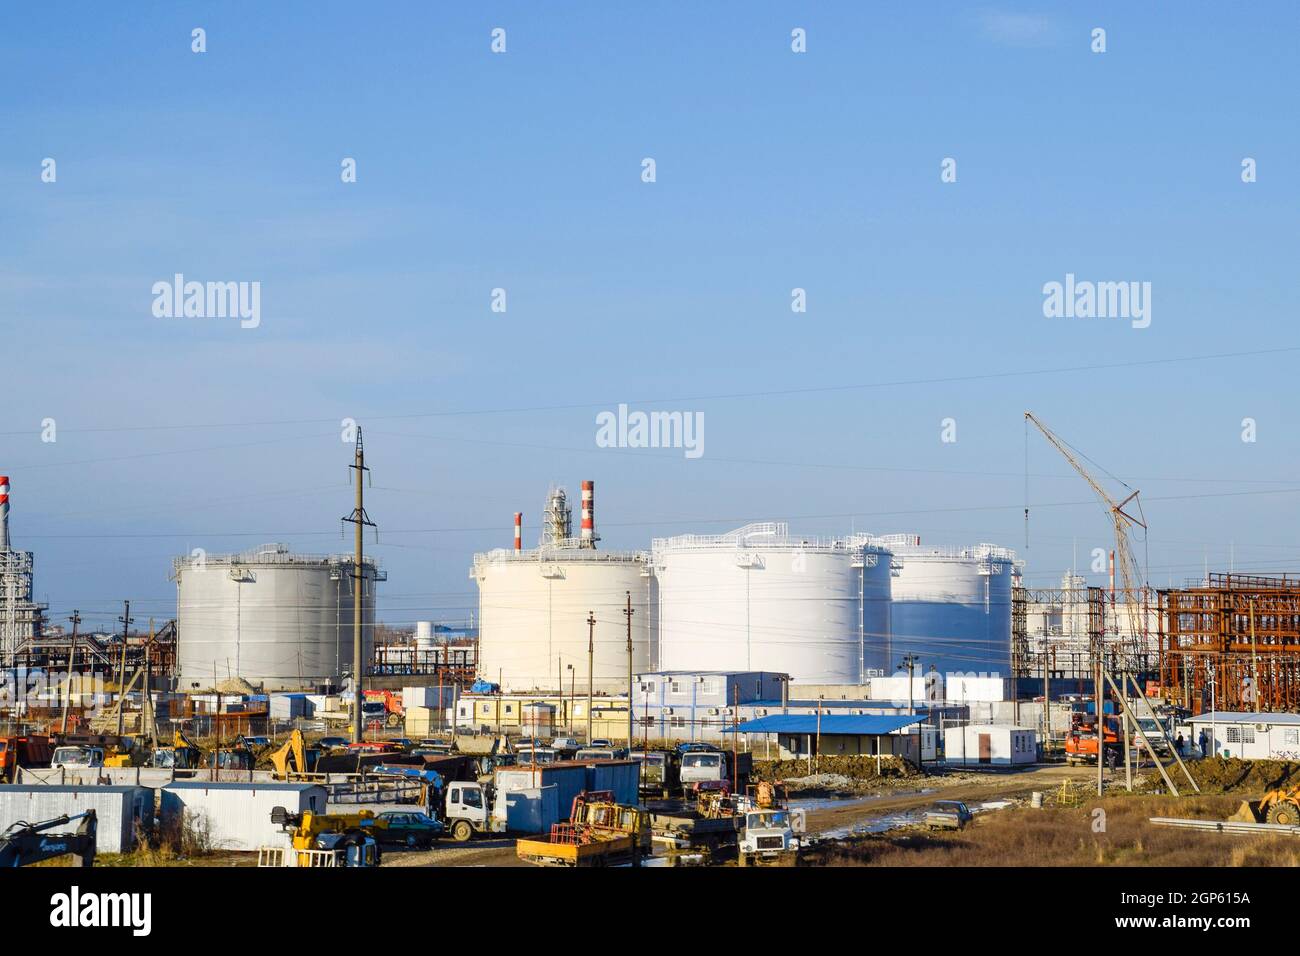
x: 1125, y: 515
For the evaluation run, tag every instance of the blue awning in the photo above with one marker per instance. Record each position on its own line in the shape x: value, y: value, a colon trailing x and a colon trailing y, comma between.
x: 859, y: 724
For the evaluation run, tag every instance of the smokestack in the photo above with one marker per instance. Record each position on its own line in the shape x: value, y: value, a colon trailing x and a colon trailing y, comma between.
x: 519, y: 531
x: 588, y: 537
x: 4, y: 512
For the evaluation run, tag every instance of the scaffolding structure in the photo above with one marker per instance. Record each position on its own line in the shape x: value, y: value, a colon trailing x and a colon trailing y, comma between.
x: 21, y: 618
x: 1232, y: 642
x: 1058, y: 630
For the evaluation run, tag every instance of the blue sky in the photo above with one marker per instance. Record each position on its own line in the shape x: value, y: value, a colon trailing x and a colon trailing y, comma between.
x: 775, y: 170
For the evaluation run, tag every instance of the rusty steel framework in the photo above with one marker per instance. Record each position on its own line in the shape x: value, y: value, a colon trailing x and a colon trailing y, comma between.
x: 1234, y: 639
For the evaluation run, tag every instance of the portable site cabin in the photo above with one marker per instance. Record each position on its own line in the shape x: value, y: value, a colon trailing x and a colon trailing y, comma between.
x: 990, y: 745
x: 1248, y: 735
x: 236, y: 816
x: 121, y: 812
x: 799, y: 736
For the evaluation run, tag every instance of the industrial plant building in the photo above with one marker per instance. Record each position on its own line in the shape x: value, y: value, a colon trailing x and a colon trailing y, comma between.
x: 20, y: 617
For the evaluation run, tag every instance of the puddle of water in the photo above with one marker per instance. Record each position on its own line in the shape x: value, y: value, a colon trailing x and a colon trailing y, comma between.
x: 834, y: 803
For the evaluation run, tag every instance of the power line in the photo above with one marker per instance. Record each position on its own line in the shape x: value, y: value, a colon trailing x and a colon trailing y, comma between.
x: 721, y: 396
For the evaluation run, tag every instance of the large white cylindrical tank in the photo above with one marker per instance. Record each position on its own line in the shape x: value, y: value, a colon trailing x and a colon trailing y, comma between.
x: 424, y: 636
x: 533, y: 609
x: 277, y: 620
x: 952, y: 606
x: 758, y: 599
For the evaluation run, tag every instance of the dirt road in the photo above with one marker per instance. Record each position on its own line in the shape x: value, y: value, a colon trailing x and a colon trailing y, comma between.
x: 826, y: 816
x: 479, y: 852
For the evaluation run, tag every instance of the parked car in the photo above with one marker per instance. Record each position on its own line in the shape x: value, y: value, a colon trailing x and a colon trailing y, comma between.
x: 410, y: 829
x: 566, y: 745
x: 601, y: 742
x: 947, y: 815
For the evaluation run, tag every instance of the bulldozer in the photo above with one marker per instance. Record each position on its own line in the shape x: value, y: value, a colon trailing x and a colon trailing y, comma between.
x: 1280, y: 806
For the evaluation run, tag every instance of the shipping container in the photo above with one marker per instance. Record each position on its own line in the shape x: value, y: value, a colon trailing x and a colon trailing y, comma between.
x: 565, y: 780
x: 236, y: 816
x: 290, y: 706
x: 435, y: 697
x: 620, y: 777
x: 121, y: 813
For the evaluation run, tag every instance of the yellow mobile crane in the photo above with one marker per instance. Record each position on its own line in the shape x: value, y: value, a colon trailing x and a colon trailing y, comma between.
x: 324, y: 839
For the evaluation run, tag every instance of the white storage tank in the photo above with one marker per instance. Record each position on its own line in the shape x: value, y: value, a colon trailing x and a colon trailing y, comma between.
x: 952, y: 606
x: 757, y: 599
x: 278, y: 620
x: 533, y: 608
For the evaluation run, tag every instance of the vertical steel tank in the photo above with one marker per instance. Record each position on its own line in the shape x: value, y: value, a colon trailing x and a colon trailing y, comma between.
x: 759, y: 599
x: 952, y: 606
x: 278, y: 620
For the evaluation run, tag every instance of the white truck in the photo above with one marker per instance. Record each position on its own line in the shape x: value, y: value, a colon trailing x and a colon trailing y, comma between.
x: 771, y: 837
x: 78, y: 757
x: 467, y: 809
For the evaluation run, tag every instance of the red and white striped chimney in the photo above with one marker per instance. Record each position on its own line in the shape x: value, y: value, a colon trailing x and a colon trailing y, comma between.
x: 588, y: 534
x: 519, y: 531
x: 4, y: 512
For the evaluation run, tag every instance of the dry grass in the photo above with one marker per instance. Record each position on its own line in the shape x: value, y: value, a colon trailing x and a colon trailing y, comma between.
x: 1065, y: 837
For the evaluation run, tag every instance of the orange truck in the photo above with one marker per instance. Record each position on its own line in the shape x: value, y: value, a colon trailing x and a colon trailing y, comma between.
x: 30, y: 751
x: 1081, y: 740
x: 394, y: 710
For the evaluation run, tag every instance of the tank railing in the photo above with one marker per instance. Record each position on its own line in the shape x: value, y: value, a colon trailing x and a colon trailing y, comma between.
x: 721, y: 542
x: 979, y: 552
x: 548, y: 554
x: 254, y: 558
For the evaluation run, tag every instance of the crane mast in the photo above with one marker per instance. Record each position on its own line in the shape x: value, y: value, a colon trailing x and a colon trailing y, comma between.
x: 1123, y: 522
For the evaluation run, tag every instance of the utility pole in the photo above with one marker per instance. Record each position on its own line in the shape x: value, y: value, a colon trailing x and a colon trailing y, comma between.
x: 126, y: 620
x: 591, y: 663
x: 628, y: 612
x: 360, y: 520
x: 909, y: 661
x: 72, y: 656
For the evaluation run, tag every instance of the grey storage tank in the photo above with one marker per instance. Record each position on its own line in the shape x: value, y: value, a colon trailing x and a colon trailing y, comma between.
x: 278, y: 620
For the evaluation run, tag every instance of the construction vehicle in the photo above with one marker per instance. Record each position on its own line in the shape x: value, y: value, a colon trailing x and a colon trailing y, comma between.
x: 23, y: 844
x: 712, y: 827
x: 1280, y: 807
x: 31, y: 750
x: 599, y: 832
x: 770, y: 832
x: 183, y: 754
x: 392, y: 711
x: 324, y: 840
x: 714, y: 769
x: 1081, y: 739
x: 660, y: 772
x: 294, y: 756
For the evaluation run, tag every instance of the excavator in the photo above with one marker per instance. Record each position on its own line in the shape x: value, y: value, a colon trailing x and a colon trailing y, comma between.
x: 26, y: 843
x: 1280, y: 806
x: 294, y: 757
x: 324, y: 839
